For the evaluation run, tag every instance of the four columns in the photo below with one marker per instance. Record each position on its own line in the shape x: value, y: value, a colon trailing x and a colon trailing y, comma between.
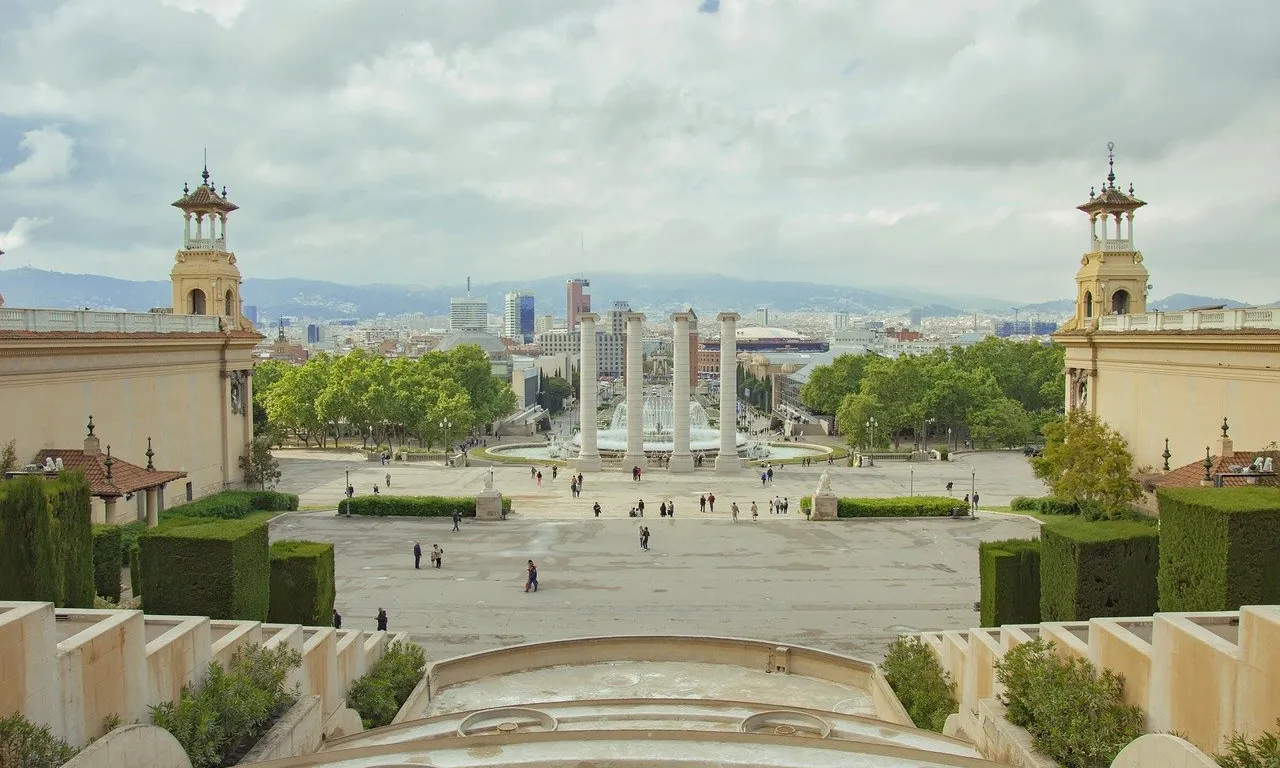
x: 635, y: 391
x: 681, y: 457
x: 728, y: 460
x: 588, y: 387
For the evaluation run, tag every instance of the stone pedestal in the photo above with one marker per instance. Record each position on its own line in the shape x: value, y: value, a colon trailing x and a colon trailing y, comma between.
x: 824, y: 506
x: 489, y: 505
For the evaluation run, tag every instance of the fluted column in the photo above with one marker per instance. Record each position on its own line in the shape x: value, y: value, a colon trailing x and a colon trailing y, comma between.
x: 728, y: 460
x: 588, y: 385
x: 635, y: 392
x: 681, y: 457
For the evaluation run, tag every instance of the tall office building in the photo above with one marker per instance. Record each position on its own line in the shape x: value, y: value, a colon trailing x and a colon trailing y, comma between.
x: 313, y: 333
x: 916, y: 318
x: 762, y: 316
x: 468, y: 313
x: 517, y: 316
x: 839, y: 321
x: 578, y: 298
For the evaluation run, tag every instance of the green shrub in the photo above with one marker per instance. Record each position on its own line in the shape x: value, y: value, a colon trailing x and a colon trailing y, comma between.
x: 412, y: 506
x: 302, y: 589
x: 106, y: 561
x: 920, y: 683
x: 233, y: 505
x: 1022, y: 504
x: 233, y: 708
x: 129, y: 535
x: 378, y: 695
x: 902, y: 506
x: 1263, y: 752
x: 135, y: 570
x: 1219, y: 548
x: 26, y: 745
x: 1091, y: 569
x: 1010, y: 581
x: 69, y: 502
x: 1045, y: 505
x: 29, y: 568
x: 1074, y: 715
x: 219, y: 568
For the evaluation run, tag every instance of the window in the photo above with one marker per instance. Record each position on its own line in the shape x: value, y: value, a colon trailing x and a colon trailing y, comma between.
x: 229, y: 304
x: 196, y: 304
x: 1088, y: 304
x: 1120, y: 303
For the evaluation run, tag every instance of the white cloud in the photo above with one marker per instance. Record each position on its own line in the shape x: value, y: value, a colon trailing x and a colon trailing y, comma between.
x: 19, y: 234
x: 486, y: 137
x: 49, y: 157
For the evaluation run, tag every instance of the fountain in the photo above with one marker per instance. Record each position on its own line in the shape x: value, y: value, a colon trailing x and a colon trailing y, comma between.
x: 659, y: 414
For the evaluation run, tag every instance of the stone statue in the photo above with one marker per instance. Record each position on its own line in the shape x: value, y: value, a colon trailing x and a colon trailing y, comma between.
x: 488, y: 479
x: 824, y: 483
x: 238, y: 381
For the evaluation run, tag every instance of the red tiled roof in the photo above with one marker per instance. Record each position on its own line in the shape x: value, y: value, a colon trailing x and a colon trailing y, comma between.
x: 205, y: 196
x: 125, y: 477
x: 1111, y: 198
x: 1191, y: 475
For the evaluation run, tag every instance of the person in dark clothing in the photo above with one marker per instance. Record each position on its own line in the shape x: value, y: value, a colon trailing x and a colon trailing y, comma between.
x: 702, y: 503
x: 457, y: 518
x: 596, y: 508
x: 382, y: 620
x: 437, y: 555
x: 531, y: 579
x: 337, y: 619
x: 417, y: 556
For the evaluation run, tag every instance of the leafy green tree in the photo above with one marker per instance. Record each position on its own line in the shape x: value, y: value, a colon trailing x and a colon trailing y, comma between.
x: 557, y: 390
x: 956, y: 393
x: 828, y: 385
x: 1087, y: 461
x: 898, y: 388
x: 8, y: 457
x: 852, y: 417
x: 291, y: 401
x: 1001, y: 421
x: 261, y: 469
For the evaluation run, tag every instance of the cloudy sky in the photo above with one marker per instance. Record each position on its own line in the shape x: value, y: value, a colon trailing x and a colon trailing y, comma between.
x: 937, y: 143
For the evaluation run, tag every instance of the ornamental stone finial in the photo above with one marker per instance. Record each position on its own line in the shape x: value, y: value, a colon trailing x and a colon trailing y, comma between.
x: 1208, y: 464
x: 90, y: 425
x: 107, y: 462
x: 1224, y: 426
x: 151, y: 466
x: 1166, y: 455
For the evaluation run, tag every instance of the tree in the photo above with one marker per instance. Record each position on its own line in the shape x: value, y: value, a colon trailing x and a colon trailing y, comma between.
x: 8, y: 457
x: 852, y: 417
x: 828, y: 385
x: 1001, y: 421
x: 557, y: 390
x: 1087, y: 461
x: 261, y: 469
x: 291, y: 401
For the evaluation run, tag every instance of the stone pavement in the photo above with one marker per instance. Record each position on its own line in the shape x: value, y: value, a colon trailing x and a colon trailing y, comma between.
x: 848, y: 586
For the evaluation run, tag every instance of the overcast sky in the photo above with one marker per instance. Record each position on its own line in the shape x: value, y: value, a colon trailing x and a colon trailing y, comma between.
x: 938, y: 143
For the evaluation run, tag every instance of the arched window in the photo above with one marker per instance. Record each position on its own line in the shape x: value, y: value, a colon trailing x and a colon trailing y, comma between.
x: 196, y: 304
x: 1088, y: 303
x: 1120, y: 303
x: 229, y: 304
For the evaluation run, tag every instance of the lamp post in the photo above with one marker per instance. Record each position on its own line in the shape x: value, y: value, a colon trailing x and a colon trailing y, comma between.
x: 949, y: 448
x: 973, y: 491
x: 346, y: 490
x: 446, y: 428
x: 924, y: 446
x: 912, y: 491
x: 871, y: 425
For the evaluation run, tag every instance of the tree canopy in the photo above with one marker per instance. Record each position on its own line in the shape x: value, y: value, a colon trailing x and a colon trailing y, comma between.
x: 1089, y: 462
x: 434, y: 399
x: 997, y: 391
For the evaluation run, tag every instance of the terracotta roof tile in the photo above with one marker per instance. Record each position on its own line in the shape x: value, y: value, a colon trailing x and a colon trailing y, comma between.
x: 205, y: 197
x: 1191, y: 475
x: 1111, y: 198
x: 125, y: 477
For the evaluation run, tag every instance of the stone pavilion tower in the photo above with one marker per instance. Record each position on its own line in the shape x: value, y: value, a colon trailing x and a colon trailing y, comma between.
x: 1112, y: 279
x: 206, y: 280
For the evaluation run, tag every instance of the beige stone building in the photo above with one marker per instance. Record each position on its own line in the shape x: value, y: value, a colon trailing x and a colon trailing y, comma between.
x: 174, y: 382
x: 1164, y: 375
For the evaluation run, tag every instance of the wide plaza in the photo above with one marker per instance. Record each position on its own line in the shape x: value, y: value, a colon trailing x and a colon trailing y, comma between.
x: 850, y: 585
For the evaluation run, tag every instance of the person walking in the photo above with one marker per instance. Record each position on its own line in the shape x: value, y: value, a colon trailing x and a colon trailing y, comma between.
x: 382, y: 620
x: 596, y: 508
x: 375, y: 489
x: 437, y: 555
x: 771, y: 510
x: 702, y: 503
x: 457, y: 518
x: 755, y: 513
x: 538, y: 477
x: 533, y: 473
x: 786, y: 505
x: 640, y: 506
x: 975, y: 499
x: 764, y: 478
x: 733, y: 510
x: 671, y: 509
x: 531, y: 578
x: 769, y: 472
x: 967, y: 502
x: 337, y: 619
x: 388, y: 479
x: 711, y: 501
x: 579, y: 481
x: 662, y: 509
x: 640, y: 533
x: 417, y: 556
x: 554, y: 471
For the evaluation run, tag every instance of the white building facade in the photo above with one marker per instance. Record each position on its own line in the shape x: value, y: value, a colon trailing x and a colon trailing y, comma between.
x: 468, y: 313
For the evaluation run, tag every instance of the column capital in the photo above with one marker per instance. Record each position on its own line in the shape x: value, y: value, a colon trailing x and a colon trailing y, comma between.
x: 686, y: 317
x: 636, y: 317
x: 731, y: 317
x: 590, y: 317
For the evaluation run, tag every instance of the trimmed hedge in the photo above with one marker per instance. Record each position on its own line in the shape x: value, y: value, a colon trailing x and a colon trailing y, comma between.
x: 302, y: 588
x: 386, y: 505
x: 129, y: 534
x: 106, y: 561
x: 1219, y: 548
x: 900, y: 506
x: 135, y: 570
x: 1045, y: 505
x: 1010, y: 578
x: 220, y: 569
x: 29, y: 568
x: 69, y: 502
x: 1090, y: 569
x: 234, y: 505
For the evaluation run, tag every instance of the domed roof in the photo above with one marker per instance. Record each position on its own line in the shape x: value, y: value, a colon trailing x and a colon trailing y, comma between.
x: 492, y: 345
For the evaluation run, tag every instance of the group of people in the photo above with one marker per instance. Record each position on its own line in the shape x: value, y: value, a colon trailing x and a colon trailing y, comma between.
x: 381, y: 619
x: 437, y: 556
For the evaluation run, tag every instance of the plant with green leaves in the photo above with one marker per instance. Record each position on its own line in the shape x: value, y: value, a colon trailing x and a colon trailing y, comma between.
x: 29, y: 566
x: 24, y: 744
x: 1262, y: 752
x: 920, y: 683
x: 106, y: 561
x: 302, y: 590
x: 261, y: 469
x: 379, y: 694
x: 1009, y: 579
x: 1074, y: 715
x: 1087, y: 461
x: 8, y: 457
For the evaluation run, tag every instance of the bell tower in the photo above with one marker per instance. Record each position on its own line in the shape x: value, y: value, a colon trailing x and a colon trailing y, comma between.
x: 206, y: 280
x: 1112, y: 279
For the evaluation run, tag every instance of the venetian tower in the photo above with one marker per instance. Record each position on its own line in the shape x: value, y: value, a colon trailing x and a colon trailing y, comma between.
x: 1112, y: 279
x: 206, y: 280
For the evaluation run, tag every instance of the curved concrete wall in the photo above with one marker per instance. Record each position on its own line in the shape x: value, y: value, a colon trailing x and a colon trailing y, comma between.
x: 137, y: 746
x: 752, y: 654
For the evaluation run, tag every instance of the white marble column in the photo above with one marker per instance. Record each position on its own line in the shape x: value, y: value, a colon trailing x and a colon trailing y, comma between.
x: 728, y: 460
x: 588, y: 387
x: 681, y: 456
x: 635, y: 392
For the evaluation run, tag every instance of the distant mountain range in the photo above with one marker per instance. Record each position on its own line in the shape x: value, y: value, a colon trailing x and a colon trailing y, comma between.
x: 321, y: 300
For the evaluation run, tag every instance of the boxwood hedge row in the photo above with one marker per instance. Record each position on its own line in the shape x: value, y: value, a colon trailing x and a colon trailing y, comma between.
x: 215, y: 568
x: 46, y: 540
x: 412, y: 506
x: 1219, y: 548
x: 302, y: 590
x: 1009, y: 573
x: 106, y: 561
x: 233, y: 505
x: 1045, y: 505
x: 901, y: 506
x: 1090, y: 569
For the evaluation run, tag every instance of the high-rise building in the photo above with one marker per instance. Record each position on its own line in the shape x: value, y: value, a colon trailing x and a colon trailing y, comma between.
x: 917, y: 318
x: 762, y: 317
x: 313, y: 333
x: 517, y: 316
x: 578, y: 299
x: 839, y: 321
x: 468, y: 313
x: 251, y: 313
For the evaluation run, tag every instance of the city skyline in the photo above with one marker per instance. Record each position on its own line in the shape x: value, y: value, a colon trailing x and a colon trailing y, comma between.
x: 947, y: 150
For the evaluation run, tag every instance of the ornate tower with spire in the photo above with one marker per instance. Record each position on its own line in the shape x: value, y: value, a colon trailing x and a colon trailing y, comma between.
x: 206, y: 280
x: 1112, y: 279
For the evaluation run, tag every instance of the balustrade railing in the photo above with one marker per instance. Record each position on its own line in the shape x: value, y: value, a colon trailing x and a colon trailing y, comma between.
x: 1113, y: 245
x: 82, y: 321
x: 206, y: 244
x: 1217, y: 319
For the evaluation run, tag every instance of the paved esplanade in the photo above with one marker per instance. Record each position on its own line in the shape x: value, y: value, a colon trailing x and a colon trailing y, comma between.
x: 634, y: 456
x: 588, y: 388
x: 728, y: 461
x: 848, y: 586
x: 681, y: 457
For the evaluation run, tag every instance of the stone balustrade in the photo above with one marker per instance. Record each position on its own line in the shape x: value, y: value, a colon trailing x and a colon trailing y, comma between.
x: 71, y: 668
x: 89, y: 321
x: 1204, y: 320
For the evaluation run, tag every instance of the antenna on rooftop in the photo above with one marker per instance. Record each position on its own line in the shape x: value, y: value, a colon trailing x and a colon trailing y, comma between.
x: 468, y: 286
